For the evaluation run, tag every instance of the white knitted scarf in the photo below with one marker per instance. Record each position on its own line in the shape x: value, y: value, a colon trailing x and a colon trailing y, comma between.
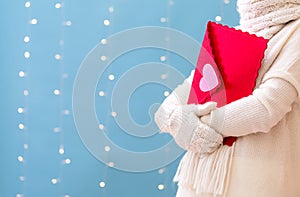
x: 266, y: 17
x: 208, y: 175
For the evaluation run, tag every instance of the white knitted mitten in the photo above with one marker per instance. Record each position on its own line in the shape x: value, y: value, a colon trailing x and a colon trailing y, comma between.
x: 190, y: 133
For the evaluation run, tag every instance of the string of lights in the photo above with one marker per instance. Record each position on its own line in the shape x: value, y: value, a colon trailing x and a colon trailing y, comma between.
x: 23, y: 110
x: 164, y: 172
x: 63, y: 112
x: 106, y: 30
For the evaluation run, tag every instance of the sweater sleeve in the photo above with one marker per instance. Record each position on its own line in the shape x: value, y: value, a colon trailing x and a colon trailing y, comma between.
x: 179, y: 96
x: 258, y: 112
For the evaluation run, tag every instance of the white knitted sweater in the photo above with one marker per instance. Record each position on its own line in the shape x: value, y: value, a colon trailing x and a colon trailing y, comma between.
x: 266, y: 160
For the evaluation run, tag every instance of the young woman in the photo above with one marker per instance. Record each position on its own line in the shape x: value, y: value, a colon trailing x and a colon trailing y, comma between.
x: 265, y: 159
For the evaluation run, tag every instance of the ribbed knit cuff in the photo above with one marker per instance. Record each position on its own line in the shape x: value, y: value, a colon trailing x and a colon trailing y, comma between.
x: 205, y: 139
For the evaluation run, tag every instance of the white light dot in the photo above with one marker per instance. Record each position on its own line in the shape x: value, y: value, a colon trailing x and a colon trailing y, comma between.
x: 54, y: 181
x: 161, y: 187
x: 68, y: 161
x: 66, y: 195
x: 27, y: 54
x: 218, y: 18
x: 26, y: 39
x: 25, y: 146
x: 61, y: 151
x: 20, y: 110
x: 164, y: 76
x: 20, y: 159
x: 26, y: 92
x: 27, y: 4
x: 66, y: 112
x: 163, y: 19
x: 103, y: 41
x: 166, y: 93
x: 114, y: 114
x: 101, y: 126
x: 57, y: 56
x: 21, y: 126
x: 56, y: 129
x: 111, y: 77
x: 19, y: 195
x: 106, y: 22
x: 101, y: 93
x: 61, y: 42
x: 34, y: 21
x: 68, y: 23
x: 102, y: 184
x: 65, y: 75
x: 107, y: 148
x: 21, y: 74
x: 163, y: 58
x: 111, y: 164
x: 56, y: 92
x: 57, y: 5
x: 111, y: 9
x: 103, y: 58
x: 226, y: 1
x: 22, y: 178
x: 161, y: 171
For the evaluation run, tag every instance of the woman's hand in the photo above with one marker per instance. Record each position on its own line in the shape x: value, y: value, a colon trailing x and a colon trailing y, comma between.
x: 184, y: 124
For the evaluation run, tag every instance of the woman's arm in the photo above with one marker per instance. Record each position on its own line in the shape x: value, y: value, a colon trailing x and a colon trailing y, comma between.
x: 258, y: 112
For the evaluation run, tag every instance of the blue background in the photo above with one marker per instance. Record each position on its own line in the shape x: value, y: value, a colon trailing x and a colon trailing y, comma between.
x: 72, y: 31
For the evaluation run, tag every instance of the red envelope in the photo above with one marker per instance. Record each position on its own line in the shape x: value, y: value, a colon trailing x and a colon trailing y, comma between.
x: 227, y: 66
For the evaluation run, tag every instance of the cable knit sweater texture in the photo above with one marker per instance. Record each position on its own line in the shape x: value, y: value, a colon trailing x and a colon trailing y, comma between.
x: 266, y: 161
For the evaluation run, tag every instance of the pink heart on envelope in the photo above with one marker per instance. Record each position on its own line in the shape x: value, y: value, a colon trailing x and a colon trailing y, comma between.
x: 209, y: 81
